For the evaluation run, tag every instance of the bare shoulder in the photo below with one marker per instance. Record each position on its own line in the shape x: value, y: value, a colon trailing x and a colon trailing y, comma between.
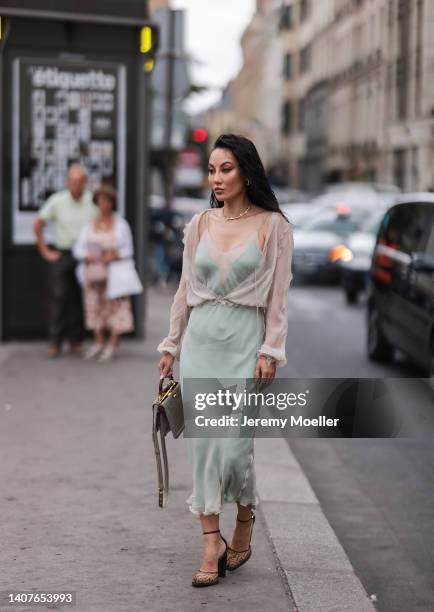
x: 273, y: 216
x: 196, y: 223
x: 282, y: 220
x: 200, y: 215
x: 283, y: 229
x: 201, y: 219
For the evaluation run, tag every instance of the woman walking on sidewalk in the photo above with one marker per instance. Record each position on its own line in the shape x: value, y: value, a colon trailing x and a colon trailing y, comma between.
x: 101, y: 242
x: 236, y: 266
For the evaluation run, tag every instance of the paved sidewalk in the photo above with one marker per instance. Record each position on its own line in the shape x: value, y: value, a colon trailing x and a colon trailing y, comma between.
x: 78, y: 498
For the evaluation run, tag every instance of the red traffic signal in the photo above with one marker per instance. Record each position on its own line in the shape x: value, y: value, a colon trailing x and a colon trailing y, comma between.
x: 200, y: 135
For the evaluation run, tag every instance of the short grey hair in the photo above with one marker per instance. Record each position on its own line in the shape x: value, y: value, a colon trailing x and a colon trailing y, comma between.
x: 78, y: 168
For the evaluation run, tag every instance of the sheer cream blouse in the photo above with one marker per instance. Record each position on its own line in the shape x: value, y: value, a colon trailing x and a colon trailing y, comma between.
x: 267, y: 288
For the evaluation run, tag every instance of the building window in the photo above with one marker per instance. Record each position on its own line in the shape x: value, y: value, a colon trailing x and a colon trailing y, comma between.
x: 414, y: 169
x: 304, y: 9
x: 286, y: 117
x: 305, y: 58
x: 287, y: 66
x: 285, y: 21
x: 403, y: 60
x: 301, y: 115
x: 399, y: 160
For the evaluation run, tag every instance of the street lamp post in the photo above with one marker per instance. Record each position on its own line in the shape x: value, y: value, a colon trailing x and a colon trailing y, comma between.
x: 148, y: 48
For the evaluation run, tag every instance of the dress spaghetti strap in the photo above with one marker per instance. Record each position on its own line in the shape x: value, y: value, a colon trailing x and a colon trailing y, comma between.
x: 203, y: 215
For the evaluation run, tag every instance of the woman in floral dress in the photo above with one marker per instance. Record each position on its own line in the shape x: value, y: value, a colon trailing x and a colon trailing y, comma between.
x: 104, y: 240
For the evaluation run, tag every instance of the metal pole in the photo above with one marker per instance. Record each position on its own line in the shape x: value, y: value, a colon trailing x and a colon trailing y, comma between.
x: 168, y: 171
x: 139, y: 217
x: 147, y: 104
x: 1, y: 190
x: 6, y: 30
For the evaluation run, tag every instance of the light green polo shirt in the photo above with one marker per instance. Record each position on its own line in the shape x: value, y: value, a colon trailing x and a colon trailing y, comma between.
x: 68, y: 216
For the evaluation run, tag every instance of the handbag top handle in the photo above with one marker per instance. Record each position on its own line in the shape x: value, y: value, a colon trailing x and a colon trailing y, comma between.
x: 160, y: 387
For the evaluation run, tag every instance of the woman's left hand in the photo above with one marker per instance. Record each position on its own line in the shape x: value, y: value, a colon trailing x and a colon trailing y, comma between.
x: 265, y: 371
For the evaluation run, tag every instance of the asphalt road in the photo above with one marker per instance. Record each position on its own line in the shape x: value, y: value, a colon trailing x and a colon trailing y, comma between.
x: 378, y: 494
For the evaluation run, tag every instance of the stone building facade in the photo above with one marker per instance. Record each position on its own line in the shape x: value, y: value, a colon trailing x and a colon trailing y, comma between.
x: 250, y: 104
x: 337, y: 90
x: 358, y: 93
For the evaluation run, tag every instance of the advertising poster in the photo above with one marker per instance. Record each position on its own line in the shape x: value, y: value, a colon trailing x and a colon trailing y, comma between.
x: 64, y: 112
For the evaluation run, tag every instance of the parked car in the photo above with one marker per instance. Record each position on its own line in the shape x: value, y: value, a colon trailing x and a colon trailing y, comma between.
x: 400, y: 310
x: 299, y: 214
x: 286, y: 195
x: 319, y: 246
x: 363, y: 186
x: 354, y: 197
x: 355, y: 269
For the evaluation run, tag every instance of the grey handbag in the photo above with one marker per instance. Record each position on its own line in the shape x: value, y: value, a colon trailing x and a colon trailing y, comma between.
x: 167, y: 415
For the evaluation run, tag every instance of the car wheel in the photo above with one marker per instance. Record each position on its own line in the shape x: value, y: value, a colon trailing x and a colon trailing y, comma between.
x: 379, y: 348
x: 352, y: 296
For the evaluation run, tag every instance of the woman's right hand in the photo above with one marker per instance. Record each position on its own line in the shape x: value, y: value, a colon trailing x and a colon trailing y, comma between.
x: 165, y: 364
x: 50, y: 255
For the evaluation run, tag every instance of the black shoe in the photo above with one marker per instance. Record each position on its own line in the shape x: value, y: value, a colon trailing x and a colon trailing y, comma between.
x: 204, y: 579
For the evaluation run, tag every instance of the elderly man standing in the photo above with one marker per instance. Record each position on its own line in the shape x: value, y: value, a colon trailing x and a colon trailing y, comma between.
x: 68, y: 211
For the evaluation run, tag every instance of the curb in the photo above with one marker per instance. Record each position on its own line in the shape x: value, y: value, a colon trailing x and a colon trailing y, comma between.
x: 317, y: 572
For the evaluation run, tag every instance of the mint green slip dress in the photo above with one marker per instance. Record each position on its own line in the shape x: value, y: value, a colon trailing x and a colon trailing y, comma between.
x: 221, y: 341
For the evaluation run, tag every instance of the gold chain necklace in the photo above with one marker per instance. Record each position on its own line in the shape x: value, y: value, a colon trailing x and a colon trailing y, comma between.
x: 238, y: 217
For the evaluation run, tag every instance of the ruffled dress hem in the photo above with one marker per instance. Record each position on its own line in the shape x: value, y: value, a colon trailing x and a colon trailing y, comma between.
x: 201, y: 511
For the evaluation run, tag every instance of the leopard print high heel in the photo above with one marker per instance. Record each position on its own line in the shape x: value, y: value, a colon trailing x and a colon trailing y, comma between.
x: 204, y: 579
x: 237, y: 558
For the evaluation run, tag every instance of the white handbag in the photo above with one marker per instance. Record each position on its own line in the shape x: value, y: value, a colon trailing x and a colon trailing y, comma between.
x: 122, y: 279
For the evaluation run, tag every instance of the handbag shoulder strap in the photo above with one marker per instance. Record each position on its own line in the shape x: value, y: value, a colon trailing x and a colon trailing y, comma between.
x: 162, y: 468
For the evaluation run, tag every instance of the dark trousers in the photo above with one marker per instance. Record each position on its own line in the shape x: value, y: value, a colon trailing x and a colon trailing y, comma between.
x: 66, y: 305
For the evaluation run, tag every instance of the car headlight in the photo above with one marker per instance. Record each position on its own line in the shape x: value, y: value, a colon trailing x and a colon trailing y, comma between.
x: 340, y: 253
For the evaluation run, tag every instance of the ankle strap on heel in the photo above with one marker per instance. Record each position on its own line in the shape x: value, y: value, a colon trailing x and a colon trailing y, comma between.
x: 246, y: 520
x: 207, y: 532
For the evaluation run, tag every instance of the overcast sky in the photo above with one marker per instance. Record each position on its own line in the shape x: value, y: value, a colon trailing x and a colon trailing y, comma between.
x: 213, y: 31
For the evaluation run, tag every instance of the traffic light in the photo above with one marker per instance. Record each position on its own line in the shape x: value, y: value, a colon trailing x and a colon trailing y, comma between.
x: 199, y: 138
x: 149, y: 41
x: 200, y: 135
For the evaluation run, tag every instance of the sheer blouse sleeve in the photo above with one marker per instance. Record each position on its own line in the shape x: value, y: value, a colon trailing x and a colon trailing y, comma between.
x: 276, y: 316
x: 179, y: 311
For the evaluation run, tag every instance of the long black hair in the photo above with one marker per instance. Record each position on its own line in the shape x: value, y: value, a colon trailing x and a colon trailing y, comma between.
x: 258, y: 187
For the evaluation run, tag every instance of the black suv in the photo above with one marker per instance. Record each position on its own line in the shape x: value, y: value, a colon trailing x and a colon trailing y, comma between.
x: 401, y: 284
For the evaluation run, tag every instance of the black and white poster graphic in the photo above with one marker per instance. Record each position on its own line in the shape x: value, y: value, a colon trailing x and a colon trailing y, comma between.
x: 64, y: 112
